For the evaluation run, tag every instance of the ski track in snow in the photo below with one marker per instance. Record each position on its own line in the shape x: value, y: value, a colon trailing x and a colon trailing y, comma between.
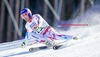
x: 87, y: 46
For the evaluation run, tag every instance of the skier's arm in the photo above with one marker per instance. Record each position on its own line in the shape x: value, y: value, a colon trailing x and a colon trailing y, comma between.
x: 41, y: 21
x: 35, y: 22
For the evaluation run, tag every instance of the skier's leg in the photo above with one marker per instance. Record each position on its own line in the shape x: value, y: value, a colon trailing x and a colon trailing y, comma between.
x: 52, y: 34
x: 47, y: 41
x: 42, y: 39
x: 64, y: 37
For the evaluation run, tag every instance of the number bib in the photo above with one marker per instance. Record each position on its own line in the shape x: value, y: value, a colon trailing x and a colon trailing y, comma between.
x: 39, y: 30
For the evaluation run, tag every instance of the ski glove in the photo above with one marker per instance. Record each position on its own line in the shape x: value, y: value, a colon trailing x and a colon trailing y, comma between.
x: 24, y: 43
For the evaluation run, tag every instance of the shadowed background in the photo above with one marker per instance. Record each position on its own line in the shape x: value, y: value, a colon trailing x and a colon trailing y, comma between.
x: 53, y: 11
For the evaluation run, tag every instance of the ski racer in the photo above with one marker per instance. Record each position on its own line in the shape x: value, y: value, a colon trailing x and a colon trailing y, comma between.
x: 39, y: 29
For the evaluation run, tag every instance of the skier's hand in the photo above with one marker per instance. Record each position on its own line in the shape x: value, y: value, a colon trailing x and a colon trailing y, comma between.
x: 23, y: 44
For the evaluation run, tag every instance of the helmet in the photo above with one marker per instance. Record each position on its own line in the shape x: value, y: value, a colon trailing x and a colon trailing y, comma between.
x: 26, y: 10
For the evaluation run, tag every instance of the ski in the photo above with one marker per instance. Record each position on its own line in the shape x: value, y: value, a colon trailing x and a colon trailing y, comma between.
x: 34, y: 49
x: 57, y: 46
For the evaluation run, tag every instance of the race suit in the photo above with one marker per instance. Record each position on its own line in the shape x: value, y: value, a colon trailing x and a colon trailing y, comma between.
x: 40, y: 30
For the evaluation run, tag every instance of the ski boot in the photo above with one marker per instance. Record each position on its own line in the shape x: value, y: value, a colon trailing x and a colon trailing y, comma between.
x: 56, y: 47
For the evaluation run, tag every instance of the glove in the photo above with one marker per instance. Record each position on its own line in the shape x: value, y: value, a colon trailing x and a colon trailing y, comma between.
x: 24, y: 44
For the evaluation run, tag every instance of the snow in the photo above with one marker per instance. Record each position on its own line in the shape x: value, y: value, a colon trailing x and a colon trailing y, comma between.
x: 87, y: 46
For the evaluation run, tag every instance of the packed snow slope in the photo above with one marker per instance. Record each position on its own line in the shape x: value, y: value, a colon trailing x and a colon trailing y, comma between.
x: 87, y: 46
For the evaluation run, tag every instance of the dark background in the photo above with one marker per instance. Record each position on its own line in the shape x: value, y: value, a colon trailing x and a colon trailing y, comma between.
x: 69, y: 10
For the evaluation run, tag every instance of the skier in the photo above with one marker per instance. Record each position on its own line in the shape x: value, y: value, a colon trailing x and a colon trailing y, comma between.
x: 40, y: 30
